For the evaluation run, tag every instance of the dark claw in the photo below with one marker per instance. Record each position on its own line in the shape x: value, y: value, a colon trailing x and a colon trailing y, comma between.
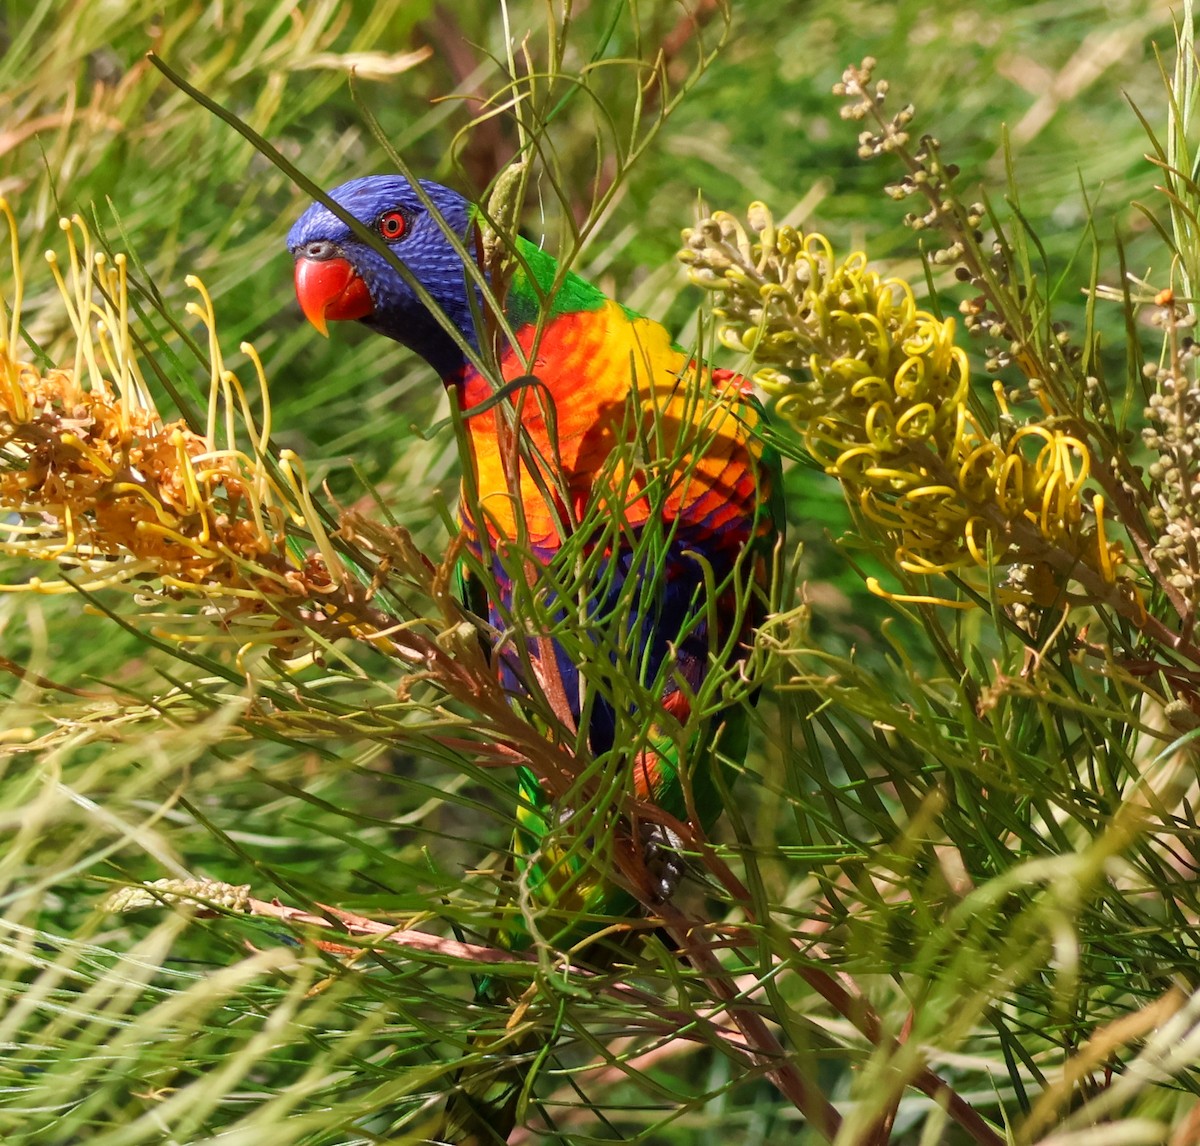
x: 660, y: 853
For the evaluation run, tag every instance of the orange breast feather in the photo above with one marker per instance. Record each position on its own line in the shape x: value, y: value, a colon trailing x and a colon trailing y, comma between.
x: 598, y: 380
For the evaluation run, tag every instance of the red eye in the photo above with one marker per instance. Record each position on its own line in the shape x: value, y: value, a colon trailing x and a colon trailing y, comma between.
x: 392, y: 226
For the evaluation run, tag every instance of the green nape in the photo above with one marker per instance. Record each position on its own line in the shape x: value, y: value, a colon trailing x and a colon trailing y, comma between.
x: 534, y: 284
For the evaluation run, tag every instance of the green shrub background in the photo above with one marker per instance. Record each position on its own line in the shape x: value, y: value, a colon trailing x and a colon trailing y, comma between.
x: 973, y: 866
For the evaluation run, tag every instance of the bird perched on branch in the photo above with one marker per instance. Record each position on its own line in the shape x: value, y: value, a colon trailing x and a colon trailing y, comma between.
x: 618, y: 505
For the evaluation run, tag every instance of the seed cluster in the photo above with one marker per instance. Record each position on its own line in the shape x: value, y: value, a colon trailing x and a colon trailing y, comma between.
x: 1173, y: 434
x: 986, y: 265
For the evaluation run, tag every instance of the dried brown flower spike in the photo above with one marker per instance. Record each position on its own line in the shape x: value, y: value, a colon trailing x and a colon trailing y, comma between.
x: 92, y: 478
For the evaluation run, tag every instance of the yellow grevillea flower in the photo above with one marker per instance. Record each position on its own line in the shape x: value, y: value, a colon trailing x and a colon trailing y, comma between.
x: 881, y: 395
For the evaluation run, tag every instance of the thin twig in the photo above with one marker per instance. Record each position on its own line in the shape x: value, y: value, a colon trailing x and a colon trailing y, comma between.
x: 767, y: 1050
x: 489, y: 147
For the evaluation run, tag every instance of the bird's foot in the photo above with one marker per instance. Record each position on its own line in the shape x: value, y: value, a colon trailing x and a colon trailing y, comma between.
x: 661, y: 855
x: 661, y: 849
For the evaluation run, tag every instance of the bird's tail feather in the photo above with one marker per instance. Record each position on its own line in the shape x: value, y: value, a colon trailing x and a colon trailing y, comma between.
x: 488, y: 1093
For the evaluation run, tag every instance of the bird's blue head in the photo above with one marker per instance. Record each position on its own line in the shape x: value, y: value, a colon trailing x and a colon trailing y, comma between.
x: 339, y: 276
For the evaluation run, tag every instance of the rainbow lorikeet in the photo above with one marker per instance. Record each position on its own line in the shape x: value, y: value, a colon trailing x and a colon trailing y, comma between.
x: 630, y: 484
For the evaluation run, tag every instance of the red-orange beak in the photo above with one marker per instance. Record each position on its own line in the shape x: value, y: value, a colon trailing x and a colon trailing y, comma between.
x: 330, y: 288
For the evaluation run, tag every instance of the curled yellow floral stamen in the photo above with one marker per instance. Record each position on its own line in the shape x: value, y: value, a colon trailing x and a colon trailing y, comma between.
x: 879, y: 390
